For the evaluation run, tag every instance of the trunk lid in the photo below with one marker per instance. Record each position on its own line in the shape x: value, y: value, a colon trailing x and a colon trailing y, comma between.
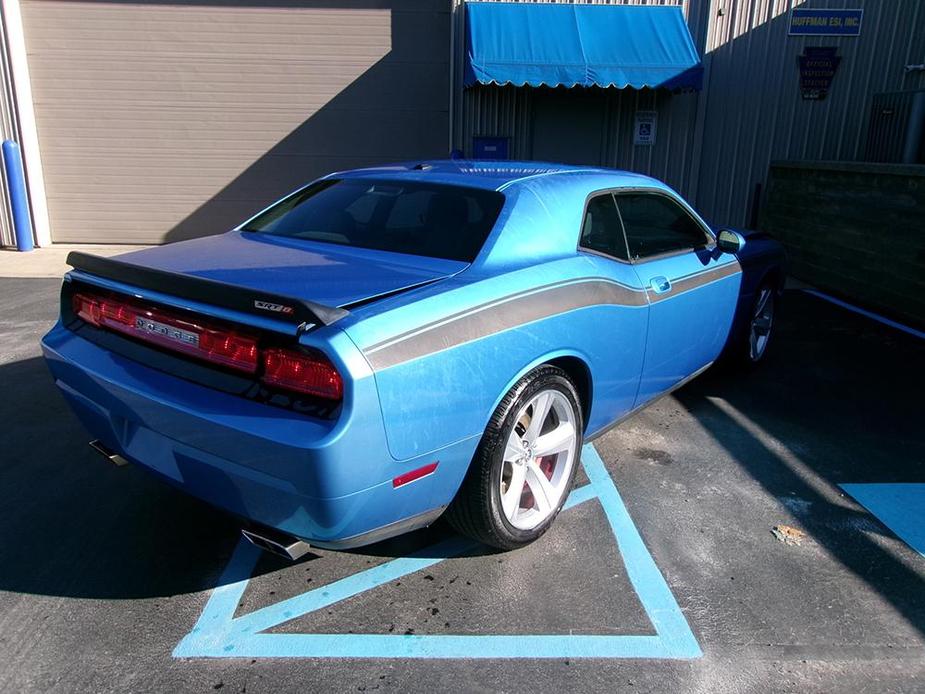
x: 326, y: 274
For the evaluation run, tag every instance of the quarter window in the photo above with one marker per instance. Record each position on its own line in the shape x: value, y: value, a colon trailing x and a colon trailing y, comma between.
x: 656, y: 224
x: 601, y: 230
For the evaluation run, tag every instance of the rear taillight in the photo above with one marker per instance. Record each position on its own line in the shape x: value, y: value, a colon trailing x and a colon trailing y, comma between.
x: 87, y: 308
x: 217, y: 345
x: 302, y: 372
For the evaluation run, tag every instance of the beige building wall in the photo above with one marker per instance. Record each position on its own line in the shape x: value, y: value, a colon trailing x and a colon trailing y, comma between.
x: 161, y: 121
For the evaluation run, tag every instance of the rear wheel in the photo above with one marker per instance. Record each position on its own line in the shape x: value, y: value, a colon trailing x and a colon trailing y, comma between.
x: 525, y: 464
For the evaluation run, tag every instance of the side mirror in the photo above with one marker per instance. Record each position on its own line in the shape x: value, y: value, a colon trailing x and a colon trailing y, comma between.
x: 729, y: 241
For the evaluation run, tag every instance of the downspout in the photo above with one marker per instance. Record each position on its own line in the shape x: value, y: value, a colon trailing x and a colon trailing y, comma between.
x: 702, y: 99
x: 452, y: 114
x: 457, y: 54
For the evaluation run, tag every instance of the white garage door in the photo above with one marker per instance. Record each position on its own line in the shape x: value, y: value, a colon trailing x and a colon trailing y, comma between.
x: 159, y: 122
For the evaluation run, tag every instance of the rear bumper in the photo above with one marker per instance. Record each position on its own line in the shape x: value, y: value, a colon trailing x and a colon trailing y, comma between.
x: 325, y: 481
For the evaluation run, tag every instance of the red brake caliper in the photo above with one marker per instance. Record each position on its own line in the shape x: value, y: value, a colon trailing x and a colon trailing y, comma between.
x: 547, y: 464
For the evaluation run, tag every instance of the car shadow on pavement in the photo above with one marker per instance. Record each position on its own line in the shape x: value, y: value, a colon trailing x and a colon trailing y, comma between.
x: 837, y: 402
x: 74, y: 525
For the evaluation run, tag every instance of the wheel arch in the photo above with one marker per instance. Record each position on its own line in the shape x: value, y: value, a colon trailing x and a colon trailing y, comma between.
x: 580, y: 373
x: 775, y: 276
x: 574, y: 363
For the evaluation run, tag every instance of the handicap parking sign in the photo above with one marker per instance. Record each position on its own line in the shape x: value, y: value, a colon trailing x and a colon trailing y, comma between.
x: 644, y: 130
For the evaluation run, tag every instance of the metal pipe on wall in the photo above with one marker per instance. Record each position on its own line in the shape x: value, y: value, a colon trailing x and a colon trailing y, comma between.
x: 19, y: 198
x: 916, y: 130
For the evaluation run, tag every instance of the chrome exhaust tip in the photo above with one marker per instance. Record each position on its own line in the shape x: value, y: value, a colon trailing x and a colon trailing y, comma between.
x: 278, y: 543
x: 112, y: 457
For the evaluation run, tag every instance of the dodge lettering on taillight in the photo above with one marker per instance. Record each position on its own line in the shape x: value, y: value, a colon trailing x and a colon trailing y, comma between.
x: 170, y: 332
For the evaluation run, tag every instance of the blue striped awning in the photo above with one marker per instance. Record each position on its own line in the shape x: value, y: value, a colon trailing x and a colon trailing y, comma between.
x: 570, y: 45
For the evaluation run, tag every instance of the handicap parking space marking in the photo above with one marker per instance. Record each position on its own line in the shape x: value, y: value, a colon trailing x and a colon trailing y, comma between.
x: 864, y: 312
x: 219, y: 634
x: 899, y: 506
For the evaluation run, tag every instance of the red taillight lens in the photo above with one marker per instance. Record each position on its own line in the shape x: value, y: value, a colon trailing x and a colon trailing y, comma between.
x: 229, y: 349
x: 305, y: 373
x: 217, y: 345
x: 86, y: 307
x: 309, y: 373
x: 117, y: 314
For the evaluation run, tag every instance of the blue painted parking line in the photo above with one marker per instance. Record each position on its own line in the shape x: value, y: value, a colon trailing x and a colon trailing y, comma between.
x: 864, y: 312
x: 218, y: 633
x: 900, y: 507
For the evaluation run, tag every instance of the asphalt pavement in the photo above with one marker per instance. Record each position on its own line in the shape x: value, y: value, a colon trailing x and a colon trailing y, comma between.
x: 666, y: 573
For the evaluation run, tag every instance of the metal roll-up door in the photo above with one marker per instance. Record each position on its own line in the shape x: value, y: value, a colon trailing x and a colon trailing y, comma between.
x: 159, y: 121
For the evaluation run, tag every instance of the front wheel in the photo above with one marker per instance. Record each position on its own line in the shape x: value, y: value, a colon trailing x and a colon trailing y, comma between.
x: 748, y: 345
x: 525, y: 464
x: 761, y: 323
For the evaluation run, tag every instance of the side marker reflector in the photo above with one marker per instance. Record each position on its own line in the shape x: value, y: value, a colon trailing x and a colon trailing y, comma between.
x: 414, y: 475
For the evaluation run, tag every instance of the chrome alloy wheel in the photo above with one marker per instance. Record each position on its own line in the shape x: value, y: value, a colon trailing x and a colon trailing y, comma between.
x: 538, y: 460
x: 760, y: 328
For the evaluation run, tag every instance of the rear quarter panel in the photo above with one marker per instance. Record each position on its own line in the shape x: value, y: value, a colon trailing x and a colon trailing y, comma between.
x: 444, y: 357
x: 442, y: 385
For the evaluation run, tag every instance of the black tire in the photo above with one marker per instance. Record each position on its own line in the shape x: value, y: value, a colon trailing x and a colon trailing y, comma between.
x: 476, y: 510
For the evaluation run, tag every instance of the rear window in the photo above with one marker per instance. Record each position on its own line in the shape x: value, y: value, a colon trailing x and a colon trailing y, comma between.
x: 403, y: 217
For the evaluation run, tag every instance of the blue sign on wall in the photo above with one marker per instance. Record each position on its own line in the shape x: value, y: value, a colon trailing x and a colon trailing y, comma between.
x: 490, y: 148
x: 805, y: 22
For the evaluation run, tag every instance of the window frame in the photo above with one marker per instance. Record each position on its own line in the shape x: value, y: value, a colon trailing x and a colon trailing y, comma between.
x: 709, y: 236
x: 585, y: 249
x: 501, y: 201
x: 630, y: 190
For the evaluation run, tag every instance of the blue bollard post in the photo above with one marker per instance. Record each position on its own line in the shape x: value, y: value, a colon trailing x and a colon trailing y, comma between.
x: 19, y: 198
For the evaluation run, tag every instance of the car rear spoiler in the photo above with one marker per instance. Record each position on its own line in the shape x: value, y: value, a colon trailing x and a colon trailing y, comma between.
x: 306, y: 314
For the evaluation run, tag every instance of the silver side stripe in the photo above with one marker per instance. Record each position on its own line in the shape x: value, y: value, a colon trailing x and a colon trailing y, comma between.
x: 503, y: 314
x: 520, y: 309
x: 697, y: 279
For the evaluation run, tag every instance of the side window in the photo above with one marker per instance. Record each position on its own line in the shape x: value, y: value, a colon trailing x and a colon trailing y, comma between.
x: 601, y: 230
x: 656, y: 224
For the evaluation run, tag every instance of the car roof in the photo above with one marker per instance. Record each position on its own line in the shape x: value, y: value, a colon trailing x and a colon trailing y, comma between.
x: 496, y: 175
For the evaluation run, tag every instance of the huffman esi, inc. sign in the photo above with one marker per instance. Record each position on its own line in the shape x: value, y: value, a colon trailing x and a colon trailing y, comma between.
x: 804, y: 22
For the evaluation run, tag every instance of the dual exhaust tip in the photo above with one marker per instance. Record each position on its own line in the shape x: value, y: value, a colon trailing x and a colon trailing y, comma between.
x: 277, y: 543
x: 267, y: 539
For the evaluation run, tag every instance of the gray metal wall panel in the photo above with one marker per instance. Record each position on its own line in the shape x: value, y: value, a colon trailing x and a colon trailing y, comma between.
x: 750, y: 110
x: 506, y: 112
x: 162, y: 121
x: 754, y: 111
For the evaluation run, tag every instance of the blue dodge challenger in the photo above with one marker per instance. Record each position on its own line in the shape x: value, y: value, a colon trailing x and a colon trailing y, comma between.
x: 387, y: 345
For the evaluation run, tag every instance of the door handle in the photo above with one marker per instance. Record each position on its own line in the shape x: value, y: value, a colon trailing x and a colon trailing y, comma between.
x: 660, y: 284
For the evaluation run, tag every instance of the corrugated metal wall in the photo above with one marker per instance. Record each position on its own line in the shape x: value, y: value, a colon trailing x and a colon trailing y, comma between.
x: 715, y: 146
x: 755, y: 114
x: 507, y: 112
x: 161, y: 121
